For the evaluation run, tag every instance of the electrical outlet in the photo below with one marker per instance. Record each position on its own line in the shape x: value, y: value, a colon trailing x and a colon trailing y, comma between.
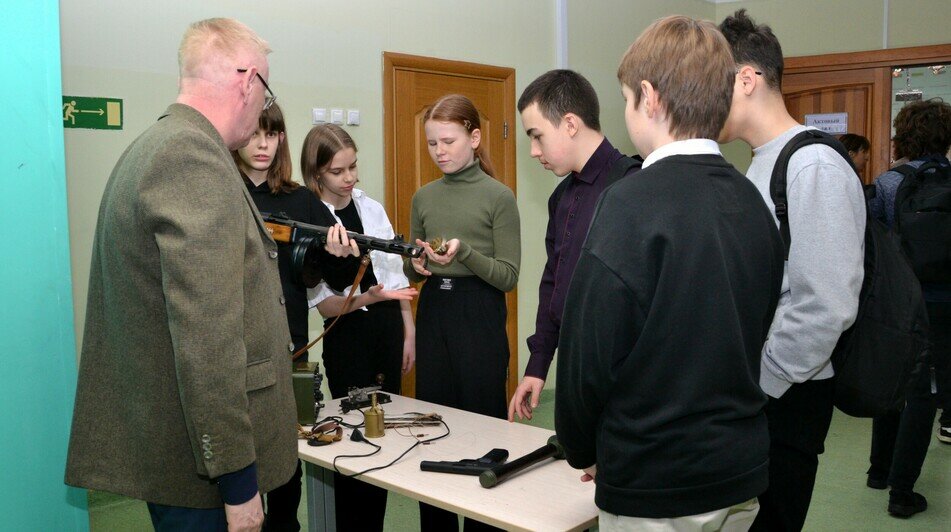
x: 319, y: 115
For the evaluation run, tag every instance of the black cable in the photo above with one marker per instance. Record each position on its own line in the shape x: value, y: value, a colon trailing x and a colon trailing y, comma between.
x: 364, y: 440
x: 339, y: 420
x: 378, y: 448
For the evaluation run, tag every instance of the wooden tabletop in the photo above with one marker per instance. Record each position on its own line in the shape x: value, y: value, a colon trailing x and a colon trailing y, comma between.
x: 548, y: 496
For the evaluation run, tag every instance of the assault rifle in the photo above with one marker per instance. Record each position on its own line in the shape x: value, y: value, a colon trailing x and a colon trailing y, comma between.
x: 288, y: 231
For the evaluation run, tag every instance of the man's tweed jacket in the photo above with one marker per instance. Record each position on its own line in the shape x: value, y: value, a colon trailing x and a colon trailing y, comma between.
x: 185, y: 372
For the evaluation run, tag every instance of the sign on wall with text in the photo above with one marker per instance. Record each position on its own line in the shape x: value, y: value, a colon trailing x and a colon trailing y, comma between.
x: 832, y: 123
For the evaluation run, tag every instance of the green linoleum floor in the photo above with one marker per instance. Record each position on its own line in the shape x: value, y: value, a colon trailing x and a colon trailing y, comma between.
x: 840, y: 502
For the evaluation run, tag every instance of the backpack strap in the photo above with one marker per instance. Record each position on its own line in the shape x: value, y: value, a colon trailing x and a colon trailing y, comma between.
x: 914, y: 175
x: 906, y: 170
x: 777, y: 182
x: 621, y: 168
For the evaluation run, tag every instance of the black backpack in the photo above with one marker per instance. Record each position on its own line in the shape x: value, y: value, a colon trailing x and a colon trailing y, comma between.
x: 923, y: 220
x: 876, y: 358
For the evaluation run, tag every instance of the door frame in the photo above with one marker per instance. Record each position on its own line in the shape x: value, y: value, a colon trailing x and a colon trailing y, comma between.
x: 891, y: 57
x: 392, y: 62
x: 880, y: 64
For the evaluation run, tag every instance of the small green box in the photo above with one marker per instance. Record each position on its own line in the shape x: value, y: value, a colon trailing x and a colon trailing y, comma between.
x: 304, y: 391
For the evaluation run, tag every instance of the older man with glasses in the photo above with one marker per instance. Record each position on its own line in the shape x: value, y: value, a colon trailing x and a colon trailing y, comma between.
x: 270, y: 98
x: 184, y: 397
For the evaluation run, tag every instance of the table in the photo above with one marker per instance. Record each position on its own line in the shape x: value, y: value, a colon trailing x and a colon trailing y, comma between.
x: 549, y: 496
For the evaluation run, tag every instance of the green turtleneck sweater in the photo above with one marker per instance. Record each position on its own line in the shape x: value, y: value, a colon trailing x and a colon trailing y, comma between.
x: 479, y: 211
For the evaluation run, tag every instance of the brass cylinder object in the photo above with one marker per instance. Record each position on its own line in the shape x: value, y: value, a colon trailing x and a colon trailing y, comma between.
x: 373, y: 420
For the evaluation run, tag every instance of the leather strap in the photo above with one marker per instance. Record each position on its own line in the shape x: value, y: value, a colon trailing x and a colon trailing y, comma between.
x: 364, y: 262
x: 327, y: 433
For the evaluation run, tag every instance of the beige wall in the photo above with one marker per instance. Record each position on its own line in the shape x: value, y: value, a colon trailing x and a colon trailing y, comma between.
x: 328, y: 53
x: 812, y: 27
x: 598, y: 35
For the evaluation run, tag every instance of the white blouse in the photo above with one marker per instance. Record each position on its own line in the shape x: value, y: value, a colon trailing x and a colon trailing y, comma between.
x: 387, y: 267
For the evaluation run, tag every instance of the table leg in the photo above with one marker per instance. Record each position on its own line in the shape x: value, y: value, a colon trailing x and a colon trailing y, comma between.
x: 321, y: 516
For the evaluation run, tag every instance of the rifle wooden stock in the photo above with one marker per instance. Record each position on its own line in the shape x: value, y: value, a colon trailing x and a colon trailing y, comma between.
x: 280, y: 233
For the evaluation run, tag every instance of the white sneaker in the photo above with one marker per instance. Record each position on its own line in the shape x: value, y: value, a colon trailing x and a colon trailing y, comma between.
x: 944, y: 433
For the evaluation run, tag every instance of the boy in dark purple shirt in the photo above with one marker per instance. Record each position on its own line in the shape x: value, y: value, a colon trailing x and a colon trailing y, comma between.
x: 560, y: 114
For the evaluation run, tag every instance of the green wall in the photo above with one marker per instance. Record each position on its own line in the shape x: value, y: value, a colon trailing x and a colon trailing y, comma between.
x: 37, y: 351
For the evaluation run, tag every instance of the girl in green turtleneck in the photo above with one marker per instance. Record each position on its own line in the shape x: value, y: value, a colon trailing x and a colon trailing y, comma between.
x: 468, y: 223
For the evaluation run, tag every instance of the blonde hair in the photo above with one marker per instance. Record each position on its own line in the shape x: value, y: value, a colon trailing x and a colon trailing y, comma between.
x: 208, y: 41
x: 320, y: 146
x: 689, y: 64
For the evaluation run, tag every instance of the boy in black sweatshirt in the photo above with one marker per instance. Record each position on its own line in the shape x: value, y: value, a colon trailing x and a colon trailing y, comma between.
x: 657, y: 393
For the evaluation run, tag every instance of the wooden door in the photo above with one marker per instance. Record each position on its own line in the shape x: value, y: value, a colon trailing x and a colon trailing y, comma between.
x: 857, y: 83
x: 862, y: 94
x: 413, y: 83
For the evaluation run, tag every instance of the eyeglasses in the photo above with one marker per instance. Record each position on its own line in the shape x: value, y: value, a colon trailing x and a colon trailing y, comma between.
x: 757, y: 72
x: 269, y: 98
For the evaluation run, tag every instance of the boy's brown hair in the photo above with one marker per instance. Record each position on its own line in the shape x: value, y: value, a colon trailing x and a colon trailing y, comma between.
x: 923, y: 128
x: 689, y: 64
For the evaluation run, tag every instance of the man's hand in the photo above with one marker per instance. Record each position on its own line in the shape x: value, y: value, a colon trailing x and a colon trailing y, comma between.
x: 589, y: 473
x: 245, y: 517
x: 339, y: 243
x: 525, y: 398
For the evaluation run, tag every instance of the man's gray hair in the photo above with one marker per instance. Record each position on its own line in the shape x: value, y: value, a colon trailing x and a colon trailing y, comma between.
x: 207, y: 41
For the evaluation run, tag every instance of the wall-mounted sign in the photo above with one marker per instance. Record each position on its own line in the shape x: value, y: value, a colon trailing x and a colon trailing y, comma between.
x: 833, y: 123
x: 92, y: 113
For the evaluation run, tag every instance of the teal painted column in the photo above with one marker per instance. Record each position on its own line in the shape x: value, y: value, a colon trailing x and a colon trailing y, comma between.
x: 37, y: 343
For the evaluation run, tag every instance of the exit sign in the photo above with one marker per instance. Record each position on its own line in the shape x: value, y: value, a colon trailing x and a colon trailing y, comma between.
x: 92, y: 113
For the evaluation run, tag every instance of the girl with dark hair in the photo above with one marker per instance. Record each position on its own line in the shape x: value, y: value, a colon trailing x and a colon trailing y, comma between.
x: 265, y: 164
x: 468, y: 223
x: 858, y: 147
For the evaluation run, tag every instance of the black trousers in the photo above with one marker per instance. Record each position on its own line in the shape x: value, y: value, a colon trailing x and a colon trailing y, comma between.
x: 461, y: 345
x: 900, y: 439
x: 461, y: 360
x: 798, y: 424
x: 280, y: 505
x: 361, y: 346
x: 180, y: 519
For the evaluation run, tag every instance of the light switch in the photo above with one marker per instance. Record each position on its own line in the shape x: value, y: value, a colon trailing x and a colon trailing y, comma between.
x: 336, y: 116
x: 319, y: 115
x: 353, y: 117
